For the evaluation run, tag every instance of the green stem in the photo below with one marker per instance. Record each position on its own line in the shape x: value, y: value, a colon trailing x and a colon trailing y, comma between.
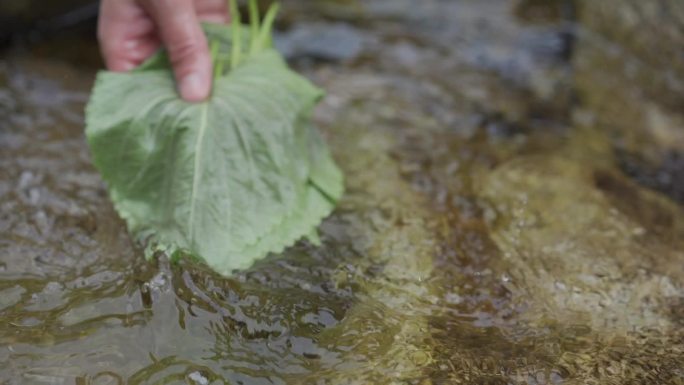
x: 254, y: 25
x: 218, y: 71
x: 237, y: 32
x: 214, y: 49
x: 265, y: 40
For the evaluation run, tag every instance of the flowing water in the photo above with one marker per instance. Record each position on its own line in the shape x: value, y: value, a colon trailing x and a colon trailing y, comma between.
x: 513, y: 212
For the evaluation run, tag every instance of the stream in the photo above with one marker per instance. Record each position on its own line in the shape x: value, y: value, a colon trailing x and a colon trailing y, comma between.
x: 514, y: 211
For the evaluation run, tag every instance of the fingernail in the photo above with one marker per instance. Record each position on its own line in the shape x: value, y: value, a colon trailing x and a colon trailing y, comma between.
x: 193, y: 89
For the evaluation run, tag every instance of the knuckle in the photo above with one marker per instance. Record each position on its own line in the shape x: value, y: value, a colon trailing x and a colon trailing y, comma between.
x: 183, y: 49
x: 185, y: 56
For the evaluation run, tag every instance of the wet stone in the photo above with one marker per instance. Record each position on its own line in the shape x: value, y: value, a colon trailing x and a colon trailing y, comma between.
x: 666, y: 177
x: 337, y: 42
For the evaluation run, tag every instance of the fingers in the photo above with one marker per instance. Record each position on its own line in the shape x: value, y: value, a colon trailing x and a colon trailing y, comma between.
x: 130, y: 31
x: 213, y: 11
x: 124, y: 34
x: 180, y: 31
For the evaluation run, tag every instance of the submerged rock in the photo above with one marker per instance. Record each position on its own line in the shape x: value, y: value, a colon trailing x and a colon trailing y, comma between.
x: 578, y: 256
x: 630, y: 73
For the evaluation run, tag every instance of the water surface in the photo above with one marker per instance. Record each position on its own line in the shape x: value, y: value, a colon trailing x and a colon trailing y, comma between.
x: 509, y: 216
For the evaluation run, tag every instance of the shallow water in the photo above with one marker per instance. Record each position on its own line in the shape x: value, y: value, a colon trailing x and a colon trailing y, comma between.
x: 503, y: 223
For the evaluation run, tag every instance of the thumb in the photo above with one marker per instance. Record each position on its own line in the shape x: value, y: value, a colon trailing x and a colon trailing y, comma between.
x: 186, y: 44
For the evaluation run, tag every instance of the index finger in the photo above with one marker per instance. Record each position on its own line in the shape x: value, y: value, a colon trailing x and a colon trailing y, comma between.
x: 186, y: 44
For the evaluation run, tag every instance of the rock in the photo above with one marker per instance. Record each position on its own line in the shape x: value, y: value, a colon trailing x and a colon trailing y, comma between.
x: 336, y: 42
x: 579, y: 250
x: 31, y: 11
x: 42, y: 18
x: 629, y: 70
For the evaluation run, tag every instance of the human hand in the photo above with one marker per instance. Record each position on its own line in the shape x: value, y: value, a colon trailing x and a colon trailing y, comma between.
x: 130, y: 31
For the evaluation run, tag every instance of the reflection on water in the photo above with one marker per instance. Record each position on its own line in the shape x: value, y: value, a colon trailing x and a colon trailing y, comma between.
x: 503, y: 224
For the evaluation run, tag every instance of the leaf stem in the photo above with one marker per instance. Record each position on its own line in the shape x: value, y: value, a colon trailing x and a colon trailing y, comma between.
x: 265, y: 39
x: 215, y: 60
x: 237, y: 33
x: 254, y: 20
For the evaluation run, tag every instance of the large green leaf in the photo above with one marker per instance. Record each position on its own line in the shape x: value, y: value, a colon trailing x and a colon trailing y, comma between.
x: 227, y: 180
